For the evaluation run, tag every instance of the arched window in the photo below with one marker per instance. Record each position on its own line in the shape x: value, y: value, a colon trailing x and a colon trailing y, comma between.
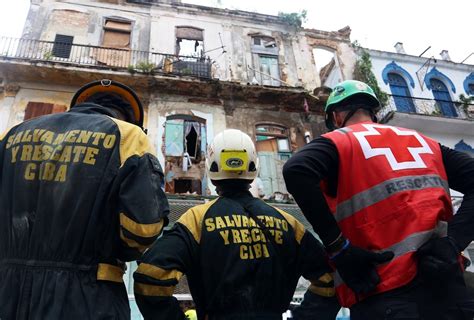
x: 443, y: 98
x: 401, y: 93
x: 469, y: 84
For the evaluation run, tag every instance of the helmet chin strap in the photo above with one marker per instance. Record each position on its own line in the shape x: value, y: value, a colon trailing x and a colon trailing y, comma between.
x: 348, y: 116
x: 353, y: 111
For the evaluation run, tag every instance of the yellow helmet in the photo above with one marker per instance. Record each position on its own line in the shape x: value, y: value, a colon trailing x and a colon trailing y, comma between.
x: 232, y: 155
x: 117, y: 89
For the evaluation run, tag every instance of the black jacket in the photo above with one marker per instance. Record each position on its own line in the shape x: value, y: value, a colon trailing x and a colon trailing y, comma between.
x: 80, y: 193
x: 236, y: 268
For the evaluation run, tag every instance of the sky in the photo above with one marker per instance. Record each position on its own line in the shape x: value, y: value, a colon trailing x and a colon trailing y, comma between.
x: 375, y: 24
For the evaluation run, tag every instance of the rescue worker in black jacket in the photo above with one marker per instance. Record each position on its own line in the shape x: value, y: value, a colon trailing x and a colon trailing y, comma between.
x: 80, y: 194
x: 242, y: 257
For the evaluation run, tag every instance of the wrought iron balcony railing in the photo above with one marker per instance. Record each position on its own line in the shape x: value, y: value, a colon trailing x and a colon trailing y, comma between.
x: 432, y: 107
x: 103, y: 57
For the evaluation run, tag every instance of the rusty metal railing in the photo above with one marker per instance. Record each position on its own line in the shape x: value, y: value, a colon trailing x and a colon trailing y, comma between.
x: 80, y: 55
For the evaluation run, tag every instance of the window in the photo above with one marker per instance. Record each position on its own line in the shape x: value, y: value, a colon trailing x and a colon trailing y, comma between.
x: 265, y: 61
x: 398, y: 79
x: 401, y: 93
x: 185, y: 134
x: 443, y: 98
x: 189, y: 42
x: 469, y: 84
x: 36, y: 109
x: 273, y: 138
x: 62, y: 46
x: 117, y: 33
x: 327, y: 66
x: 273, y: 149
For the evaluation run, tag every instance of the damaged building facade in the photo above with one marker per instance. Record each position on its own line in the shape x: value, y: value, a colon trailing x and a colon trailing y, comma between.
x: 198, y: 70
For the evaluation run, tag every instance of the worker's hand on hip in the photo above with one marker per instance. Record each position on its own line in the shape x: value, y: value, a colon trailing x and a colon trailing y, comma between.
x: 438, y: 259
x: 357, y: 267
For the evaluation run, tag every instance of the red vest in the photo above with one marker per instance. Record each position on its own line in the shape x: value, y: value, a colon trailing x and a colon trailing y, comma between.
x: 392, y: 194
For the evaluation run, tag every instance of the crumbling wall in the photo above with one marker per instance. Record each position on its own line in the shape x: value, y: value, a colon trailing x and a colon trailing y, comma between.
x: 337, y: 42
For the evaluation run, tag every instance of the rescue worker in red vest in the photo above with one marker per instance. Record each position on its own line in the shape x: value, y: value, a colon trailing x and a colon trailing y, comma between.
x: 80, y: 195
x: 242, y: 257
x: 378, y: 196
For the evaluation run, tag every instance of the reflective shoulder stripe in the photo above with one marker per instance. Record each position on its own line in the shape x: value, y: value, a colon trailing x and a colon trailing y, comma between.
x: 2, y: 135
x: 133, y: 141
x: 322, y: 291
x: 297, y: 226
x: 192, y: 219
x: 141, y: 229
x: 158, y: 273
x: 385, y: 190
x: 108, y: 272
x: 153, y: 290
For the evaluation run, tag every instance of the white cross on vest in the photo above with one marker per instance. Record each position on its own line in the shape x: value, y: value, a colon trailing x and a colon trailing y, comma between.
x: 369, y: 151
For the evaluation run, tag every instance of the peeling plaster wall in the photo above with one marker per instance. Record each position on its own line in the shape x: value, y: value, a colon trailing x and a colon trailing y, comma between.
x: 154, y: 30
x: 84, y: 20
x: 14, y: 103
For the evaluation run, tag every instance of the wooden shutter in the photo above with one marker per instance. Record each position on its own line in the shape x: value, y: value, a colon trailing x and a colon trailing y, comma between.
x: 117, y: 34
x: 62, y: 46
x: 36, y: 109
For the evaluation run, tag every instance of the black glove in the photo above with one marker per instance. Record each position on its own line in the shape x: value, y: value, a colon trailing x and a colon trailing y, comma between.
x: 356, y: 266
x: 438, y: 259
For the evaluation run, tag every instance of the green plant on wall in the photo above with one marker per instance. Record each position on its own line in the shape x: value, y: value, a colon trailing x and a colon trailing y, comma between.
x: 48, y: 55
x: 363, y: 72
x: 145, y: 67
x: 465, y: 102
x: 294, y: 19
x: 131, y: 68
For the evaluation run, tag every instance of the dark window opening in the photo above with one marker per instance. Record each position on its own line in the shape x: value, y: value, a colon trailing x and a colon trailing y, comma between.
x: 189, y: 42
x: 192, y: 143
x: 187, y: 186
x: 62, y: 46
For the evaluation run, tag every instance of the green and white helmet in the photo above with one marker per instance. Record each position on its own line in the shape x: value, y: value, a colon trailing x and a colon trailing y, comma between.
x: 350, y: 93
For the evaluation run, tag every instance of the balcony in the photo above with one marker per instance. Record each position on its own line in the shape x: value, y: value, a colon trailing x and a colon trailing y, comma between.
x: 427, y: 114
x: 76, y: 55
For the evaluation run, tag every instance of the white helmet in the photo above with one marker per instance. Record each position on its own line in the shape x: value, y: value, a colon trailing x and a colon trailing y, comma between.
x: 232, y: 155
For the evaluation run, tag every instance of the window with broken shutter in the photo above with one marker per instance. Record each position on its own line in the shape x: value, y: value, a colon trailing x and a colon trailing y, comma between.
x: 117, y: 34
x: 265, y: 60
x: 36, y: 109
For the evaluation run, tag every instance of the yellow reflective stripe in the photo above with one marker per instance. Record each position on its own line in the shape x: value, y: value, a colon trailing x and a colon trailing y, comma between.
x: 141, y: 229
x: 297, y: 226
x: 158, y: 273
x: 132, y: 243
x: 133, y: 141
x: 108, y: 272
x: 152, y: 290
x: 321, y: 291
x: 326, y: 278
x: 192, y: 219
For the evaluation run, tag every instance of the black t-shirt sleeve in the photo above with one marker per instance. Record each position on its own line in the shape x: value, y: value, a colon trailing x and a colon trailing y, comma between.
x: 460, y: 170
x: 303, y: 174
